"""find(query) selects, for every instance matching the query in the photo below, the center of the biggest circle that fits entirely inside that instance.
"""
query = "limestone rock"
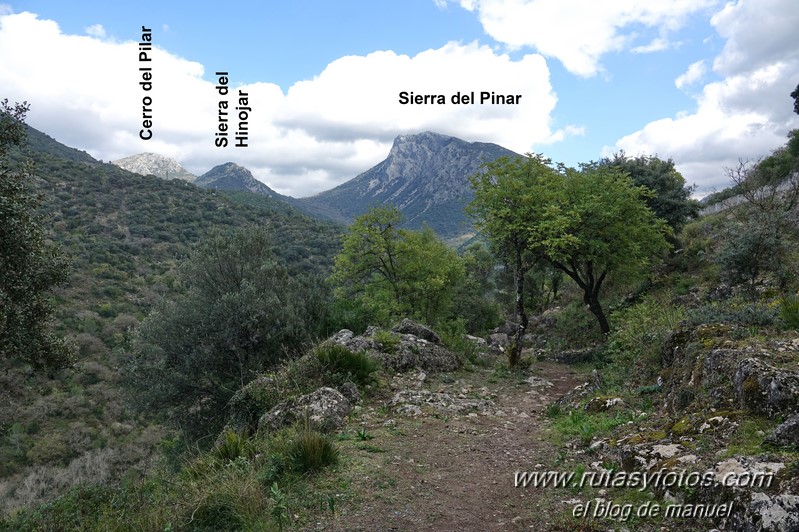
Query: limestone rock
(766, 389)
(786, 434)
(407, 326)
(325, 408)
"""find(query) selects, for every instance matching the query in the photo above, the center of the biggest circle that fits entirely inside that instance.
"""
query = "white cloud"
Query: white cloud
(744, 115)
(96, 30)
(657, 45)
(692, 75)
(85, 92)
(579, 32)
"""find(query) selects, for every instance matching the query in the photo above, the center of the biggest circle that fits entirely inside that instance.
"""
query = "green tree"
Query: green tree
(795, 96)
(671, 197)
(391, 272)
(760, 239)
(240, 313)
(475, 299)
(30, 266)
(511, 195)
(597, 226)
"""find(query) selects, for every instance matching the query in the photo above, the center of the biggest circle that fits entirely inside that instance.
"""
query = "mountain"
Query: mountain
(154, 164)
(425, 176)
(230, 176)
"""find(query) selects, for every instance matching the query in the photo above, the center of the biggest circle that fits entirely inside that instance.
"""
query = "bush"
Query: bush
(634, 346)
(311, 451)
(233, 446)
(242, 313)
(297, 450)
(748, 314)
(340, 364)
(789, 311)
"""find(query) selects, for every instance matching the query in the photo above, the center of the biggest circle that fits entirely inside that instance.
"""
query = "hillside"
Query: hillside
(125, 234)
(683, 416)
(425, 176)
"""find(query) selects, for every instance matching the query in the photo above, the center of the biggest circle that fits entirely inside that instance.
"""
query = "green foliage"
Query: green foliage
(311, 451)
(241, 313)
(233, 446)
(387, 339)
(751, 247)
(744, 313)
(453, 335)
(789, 311)
(633, 348)
(671, 197)
(588, 224)
(474, 300)
(599, 226)
(30, 266)
(341, 364)
(393, 273)
(510, 199)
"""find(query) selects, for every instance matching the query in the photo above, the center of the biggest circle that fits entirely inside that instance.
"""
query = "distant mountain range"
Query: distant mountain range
(425, 176)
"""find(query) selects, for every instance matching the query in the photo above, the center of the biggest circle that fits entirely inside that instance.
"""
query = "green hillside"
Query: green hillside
(124, 235)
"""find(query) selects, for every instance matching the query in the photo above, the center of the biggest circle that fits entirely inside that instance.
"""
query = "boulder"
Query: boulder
(604, 404)
(350, 391)
(786, 434)
(408, 351)
(407, 326)
(326, 410)
(249, 403)
(765, 389)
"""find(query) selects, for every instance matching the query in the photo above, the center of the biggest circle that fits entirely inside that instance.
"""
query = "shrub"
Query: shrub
(233, 446)
(789, 311)
(341, 364)
(634, 346)
(311, 451)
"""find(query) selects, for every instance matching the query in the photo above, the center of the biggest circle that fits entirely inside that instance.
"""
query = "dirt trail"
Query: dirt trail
(443, 471)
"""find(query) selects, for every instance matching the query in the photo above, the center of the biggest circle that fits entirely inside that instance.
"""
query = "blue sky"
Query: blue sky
(704, 82)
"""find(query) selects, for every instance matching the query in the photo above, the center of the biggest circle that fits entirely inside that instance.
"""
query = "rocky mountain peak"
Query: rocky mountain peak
(231, 176)
(155, 164)
(425, 175)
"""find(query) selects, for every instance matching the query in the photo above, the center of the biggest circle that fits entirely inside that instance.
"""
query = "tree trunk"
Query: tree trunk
(592, 300)
(521, 317)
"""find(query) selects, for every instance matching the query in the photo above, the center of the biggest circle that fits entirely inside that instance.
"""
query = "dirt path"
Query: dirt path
(455, 471)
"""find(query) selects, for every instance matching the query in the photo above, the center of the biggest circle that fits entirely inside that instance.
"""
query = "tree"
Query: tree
(240, 313)
(795, 96)
(598, 225)
(510, 196)
(391, 272)
(671, 197)
(30, 266)
(758, 241)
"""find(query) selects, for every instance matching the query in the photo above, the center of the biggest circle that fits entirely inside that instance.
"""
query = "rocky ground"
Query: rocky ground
(445, 446)
(444, 452)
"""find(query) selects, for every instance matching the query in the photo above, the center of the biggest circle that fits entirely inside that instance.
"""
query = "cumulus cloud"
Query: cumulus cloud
(692, 75)
(748, 112)
(85, 91)
(96, 30)
(579, 32)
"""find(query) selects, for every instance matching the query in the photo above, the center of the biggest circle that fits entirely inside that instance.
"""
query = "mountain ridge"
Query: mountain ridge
(158, 165)
(425, 175)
